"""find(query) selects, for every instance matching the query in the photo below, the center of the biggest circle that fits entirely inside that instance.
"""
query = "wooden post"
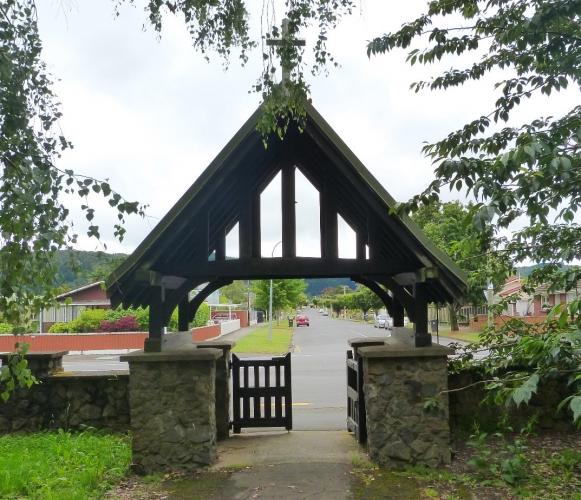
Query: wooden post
(373, 235)
(397, 313)
(153, 343)
(245, 228)
(422, 337)
(255, 236)
(329, 243)
(249, 226)
(184, 314)
(360, 247)
(289, 230)
(204, 240)
(221, 246)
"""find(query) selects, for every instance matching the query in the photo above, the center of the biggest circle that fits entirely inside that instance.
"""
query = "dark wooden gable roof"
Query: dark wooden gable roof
(177, 250)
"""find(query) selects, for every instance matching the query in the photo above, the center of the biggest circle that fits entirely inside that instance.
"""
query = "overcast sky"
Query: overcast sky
(150, 114)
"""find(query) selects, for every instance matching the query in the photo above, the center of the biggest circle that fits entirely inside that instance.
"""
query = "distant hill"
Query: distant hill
(76, 267)
(316, 286)
(525, 271)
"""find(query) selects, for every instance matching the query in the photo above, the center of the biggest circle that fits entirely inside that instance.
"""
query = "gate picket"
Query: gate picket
(356, 418)
(261, 392)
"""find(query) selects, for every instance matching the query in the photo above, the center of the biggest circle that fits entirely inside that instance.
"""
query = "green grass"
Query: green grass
(464, 335)
(259, 343)
(60, 465)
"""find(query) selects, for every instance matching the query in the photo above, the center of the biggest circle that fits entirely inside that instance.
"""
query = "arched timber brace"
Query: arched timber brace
(403, 298)
(377, 290)
(189, 245)
(203, 294)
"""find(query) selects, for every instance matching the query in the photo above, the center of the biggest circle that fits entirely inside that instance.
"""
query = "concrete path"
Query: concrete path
(281, 465)
(282, 447)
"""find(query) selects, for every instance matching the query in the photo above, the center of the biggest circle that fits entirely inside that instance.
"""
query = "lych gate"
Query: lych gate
(188, 247)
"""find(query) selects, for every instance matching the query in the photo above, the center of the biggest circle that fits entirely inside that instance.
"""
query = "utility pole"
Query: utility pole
(270, 297)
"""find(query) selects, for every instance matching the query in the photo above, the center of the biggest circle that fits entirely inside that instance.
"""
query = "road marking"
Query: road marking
(293, 404)
(359, 333)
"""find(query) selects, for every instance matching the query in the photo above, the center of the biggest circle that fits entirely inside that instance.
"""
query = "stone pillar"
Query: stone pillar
(358, 342)
(398, 380)
(222, 385)
(173, 413)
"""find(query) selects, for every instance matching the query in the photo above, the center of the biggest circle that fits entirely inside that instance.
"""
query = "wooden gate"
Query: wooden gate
(261, 393)
(356, 421)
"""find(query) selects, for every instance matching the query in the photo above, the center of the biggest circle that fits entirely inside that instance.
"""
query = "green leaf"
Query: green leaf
(524, 393)
(575, 405)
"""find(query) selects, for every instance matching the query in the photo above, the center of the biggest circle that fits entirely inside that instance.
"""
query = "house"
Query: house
(537, 304)
(73, 303)
(521, 306)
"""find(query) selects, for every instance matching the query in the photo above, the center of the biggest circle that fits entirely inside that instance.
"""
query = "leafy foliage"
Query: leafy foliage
(33, 220)
(202, 315)
(507, 461)
(521, 356)
(363, 299)
(16, 374)
(285, 294)
(531, 170)
(88, 321)
(235, 293)
(122, 320)
(449, 226)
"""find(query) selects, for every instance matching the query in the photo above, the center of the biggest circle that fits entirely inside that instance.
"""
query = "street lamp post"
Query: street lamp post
(270, 297)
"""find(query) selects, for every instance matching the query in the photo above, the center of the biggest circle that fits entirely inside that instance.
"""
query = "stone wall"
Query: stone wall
(466, 407)
(72, 401)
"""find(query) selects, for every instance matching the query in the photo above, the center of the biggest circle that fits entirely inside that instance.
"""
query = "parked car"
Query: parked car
(302, 320)
(383, 321)
(325, 313)
(321, 310)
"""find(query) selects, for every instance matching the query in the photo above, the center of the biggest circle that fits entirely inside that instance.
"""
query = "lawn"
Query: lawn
(60, 465)
(464, 335)
(258, 342)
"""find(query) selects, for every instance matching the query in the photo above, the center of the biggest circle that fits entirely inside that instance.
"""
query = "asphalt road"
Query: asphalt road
(319, 373)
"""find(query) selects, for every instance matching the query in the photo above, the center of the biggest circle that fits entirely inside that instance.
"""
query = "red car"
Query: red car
(302, 320)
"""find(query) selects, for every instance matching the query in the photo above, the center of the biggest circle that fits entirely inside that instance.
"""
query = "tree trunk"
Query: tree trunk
(453, 318)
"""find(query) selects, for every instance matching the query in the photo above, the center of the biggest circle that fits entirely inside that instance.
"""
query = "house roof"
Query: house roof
(210, 205)
(80, 289)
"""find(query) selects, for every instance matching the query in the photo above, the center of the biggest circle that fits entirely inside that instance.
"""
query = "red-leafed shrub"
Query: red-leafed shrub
(124, 324)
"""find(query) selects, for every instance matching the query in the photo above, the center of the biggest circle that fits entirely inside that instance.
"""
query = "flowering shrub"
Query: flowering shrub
(124, 324)
(140, 314)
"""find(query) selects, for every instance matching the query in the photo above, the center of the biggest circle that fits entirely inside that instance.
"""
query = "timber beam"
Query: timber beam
(296, 267)
(400, 293)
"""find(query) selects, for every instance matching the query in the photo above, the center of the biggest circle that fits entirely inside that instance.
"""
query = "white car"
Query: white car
(383, 321)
